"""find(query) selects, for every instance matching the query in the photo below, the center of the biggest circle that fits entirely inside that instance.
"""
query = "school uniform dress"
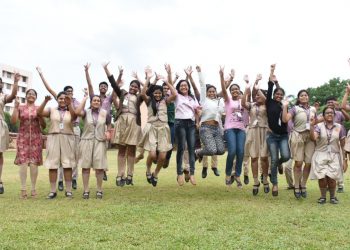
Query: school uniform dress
(60, 148)
(327, 159)
(156, 135)
(29, 138)
(4, 130)
(256, 144)
(93, 144)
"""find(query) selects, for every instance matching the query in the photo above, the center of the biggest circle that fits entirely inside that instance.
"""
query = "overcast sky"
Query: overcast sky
(309, 40)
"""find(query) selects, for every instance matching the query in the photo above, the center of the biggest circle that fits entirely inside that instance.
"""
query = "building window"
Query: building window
(8, 86)
(8, 74)
(23, 100)
(7, 108)
(23, 89)
(3, 73)
(24, 78)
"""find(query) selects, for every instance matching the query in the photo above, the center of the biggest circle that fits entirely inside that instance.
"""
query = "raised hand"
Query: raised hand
(17, 77)
(87, 66)
(68, 100)
(188, 71)
(121, 70)
(177, 75)
(273, 66)
(17, 102)
(39, 70)
(232, 74)
(285, 102)
(221, 71)
(258, 77)
(246, 78)
(86, 92)
(167, 68)
(134, 75)
(105, 65)
(148, 72)
(198, 68)
(47, 98)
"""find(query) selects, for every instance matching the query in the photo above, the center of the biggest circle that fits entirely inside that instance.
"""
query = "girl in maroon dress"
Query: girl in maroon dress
(29, 141)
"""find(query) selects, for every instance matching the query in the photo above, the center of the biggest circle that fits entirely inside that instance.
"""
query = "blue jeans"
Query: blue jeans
(235, 139)
(172, 134)
(278, 145)
(185, 133)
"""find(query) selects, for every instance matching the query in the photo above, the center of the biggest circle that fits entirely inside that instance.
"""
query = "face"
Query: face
(184, 88)
(165, 90)
(278, 96)
(211, 93)
(235, 91)
(331, 104)
(260, 98)
(103, 88)
(303, 98)
(133, 89)
(157, 95)
(329, 115)
(96, 102)
(31, 96)
(61, 101)
(69, 92)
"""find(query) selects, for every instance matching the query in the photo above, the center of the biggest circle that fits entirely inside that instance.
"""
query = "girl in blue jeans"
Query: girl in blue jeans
(234, 130)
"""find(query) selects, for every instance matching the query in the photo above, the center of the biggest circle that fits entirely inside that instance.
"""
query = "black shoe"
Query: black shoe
(60, 186)
(69, 195)
(99, 195)
(105, 176)
(280, 169)
(216, 171)
(266, 188)
(256, 189)
(232, 179)
(52, 195)
(321, 201)
(74, 184)
(149, 178)
(120, 182)
(274, 192)
(154, 180)
(290, 187)
(129, 181)
(303, 192)
(86, 195)
(261, 178)
(2, 190)
(340, 190)
(334, 200)
(187, 175)
(204, 173)
(246, 179)
(297, 194)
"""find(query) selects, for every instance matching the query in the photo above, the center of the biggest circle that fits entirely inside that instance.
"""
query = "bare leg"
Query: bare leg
(53, 179)
(67, 172)
(86, 177)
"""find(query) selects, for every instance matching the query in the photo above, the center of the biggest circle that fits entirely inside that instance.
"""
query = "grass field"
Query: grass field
(206, 216)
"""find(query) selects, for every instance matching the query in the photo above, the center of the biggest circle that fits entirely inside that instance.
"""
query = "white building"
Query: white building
(7, 73)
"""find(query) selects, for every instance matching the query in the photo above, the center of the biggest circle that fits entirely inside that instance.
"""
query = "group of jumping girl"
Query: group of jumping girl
(254, 124)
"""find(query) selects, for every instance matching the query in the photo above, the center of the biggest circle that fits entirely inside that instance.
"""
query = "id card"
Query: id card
(61, 125)
(125, 102)
(308, 126)
(255, 122)
(239, 114)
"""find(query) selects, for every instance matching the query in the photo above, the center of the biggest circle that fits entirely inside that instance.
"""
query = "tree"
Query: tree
(12, 127)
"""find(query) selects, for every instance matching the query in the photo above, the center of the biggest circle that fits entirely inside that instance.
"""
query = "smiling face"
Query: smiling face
(133, 88)
(278, 95)
(184, 88)
(31, 96)
(157, 95)
(303, 97)
(328, 115)
(260, 98)
(61, 101)
(69, 92)
(165, 89)
(96, 102)
(235, 91)
(103, 88)
(211, 93)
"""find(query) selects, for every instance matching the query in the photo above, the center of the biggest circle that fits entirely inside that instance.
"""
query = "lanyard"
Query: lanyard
(307, 111)
(329, 133)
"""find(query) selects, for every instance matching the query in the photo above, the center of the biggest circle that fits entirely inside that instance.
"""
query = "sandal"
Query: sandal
(33, 193)
(321, 201)
(149, 177)
(52, 195)
(154, 180)
(86, 195)
(239, 183)
(120, 182)
(180, 180)
(99, 195)
(24, 195)
(266, 188)
(128, 180)
(297, 194)
(303, 192)
(69, 195)
(256, 189)
(334, 200)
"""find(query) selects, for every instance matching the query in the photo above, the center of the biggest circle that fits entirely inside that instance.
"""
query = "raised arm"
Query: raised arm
(88, 80)
(10, 97)
(69, 103)
(245, 103)
(202, 85)
(256, 86)
(143, 94)
(40, 111)
(188, 72)
(47, 86)
(286, 116)
(134, 75)
(344, 103)
(79, 111)
(112, 81)
(228, 81)
(222, 81)
(15, 113)
(313, 135)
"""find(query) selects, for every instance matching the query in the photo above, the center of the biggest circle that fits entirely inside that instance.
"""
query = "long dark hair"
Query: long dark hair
(189, 88)
(153, 102)
(299, 93)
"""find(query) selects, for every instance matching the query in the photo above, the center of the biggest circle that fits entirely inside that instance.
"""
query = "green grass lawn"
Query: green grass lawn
(206, 216)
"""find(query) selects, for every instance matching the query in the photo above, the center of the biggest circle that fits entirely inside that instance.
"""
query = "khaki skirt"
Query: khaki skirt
(4, 136)
(156, 137)
(256, 145)
(93, 154)
(326, 164)
(347, 142)
(127, 132)
(60, 151)
(301, 146)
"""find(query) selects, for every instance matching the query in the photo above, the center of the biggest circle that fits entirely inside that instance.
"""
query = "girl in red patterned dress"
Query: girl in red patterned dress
(29, 141)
